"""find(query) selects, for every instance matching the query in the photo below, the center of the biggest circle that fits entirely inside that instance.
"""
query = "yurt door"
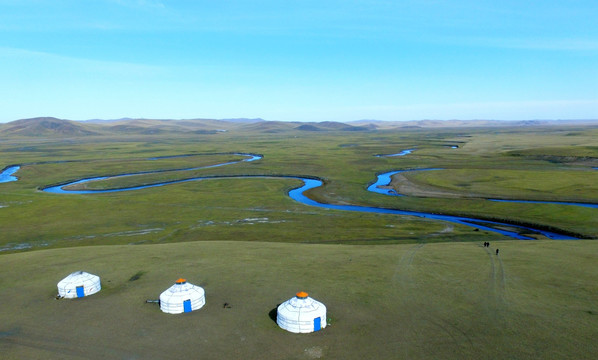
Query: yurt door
(187, 306)
(317, 324)
(80, 291)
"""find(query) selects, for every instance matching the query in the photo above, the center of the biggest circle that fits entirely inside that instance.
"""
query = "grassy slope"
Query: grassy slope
(536, 300)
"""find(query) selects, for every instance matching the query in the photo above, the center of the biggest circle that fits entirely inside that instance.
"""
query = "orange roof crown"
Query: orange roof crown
(181, 281)
(302, 295)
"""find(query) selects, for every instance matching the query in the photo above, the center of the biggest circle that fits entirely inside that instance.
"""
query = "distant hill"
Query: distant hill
(53, 127)
(244, 120)
(308, 127)
(157, 126)
(333, 126)
(269, 126)
(126, 119)
(46, 126)
(430, 123)
(103, 121)
(134, 124)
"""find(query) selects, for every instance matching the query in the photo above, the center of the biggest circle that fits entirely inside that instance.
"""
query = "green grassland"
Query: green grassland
(536, 300)
(218, 209)
(395, 286)
(545, 185)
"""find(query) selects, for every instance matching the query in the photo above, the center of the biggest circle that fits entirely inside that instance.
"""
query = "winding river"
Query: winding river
(298, 194)
(7, 174)
(402, 153)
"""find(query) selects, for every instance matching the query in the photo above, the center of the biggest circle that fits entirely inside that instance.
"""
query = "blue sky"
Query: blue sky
(299, 60)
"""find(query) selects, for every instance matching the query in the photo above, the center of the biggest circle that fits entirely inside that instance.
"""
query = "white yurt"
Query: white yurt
(301, 314)
(182, 297)
(79, 284)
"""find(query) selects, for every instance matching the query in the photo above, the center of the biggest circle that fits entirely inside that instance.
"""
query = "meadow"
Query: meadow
(395, 286)
(536, 300)
(344, 160)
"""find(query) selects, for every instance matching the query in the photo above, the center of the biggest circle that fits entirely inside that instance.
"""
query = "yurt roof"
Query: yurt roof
(78, 277)
(301, 302)
(181, 288)
(302, 295)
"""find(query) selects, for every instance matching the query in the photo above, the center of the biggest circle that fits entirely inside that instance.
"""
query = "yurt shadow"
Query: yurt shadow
(274, 313)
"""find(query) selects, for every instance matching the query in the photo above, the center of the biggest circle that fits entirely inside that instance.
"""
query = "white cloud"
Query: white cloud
(53, 61)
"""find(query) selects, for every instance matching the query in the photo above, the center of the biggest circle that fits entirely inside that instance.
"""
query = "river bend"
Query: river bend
(298, 194)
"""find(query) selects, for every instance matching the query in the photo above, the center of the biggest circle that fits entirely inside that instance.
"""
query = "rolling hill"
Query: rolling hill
(47, 126)
(54, 127)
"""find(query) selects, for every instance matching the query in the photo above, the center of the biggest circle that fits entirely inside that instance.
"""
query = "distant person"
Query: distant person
(496, 251)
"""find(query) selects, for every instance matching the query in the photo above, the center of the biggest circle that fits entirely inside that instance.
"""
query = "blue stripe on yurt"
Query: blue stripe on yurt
(187, 306)
(80, 291)
(317, 324)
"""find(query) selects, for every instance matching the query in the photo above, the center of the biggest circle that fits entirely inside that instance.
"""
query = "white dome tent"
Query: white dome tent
(301, 314)
(182, 297)
(79, 284)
